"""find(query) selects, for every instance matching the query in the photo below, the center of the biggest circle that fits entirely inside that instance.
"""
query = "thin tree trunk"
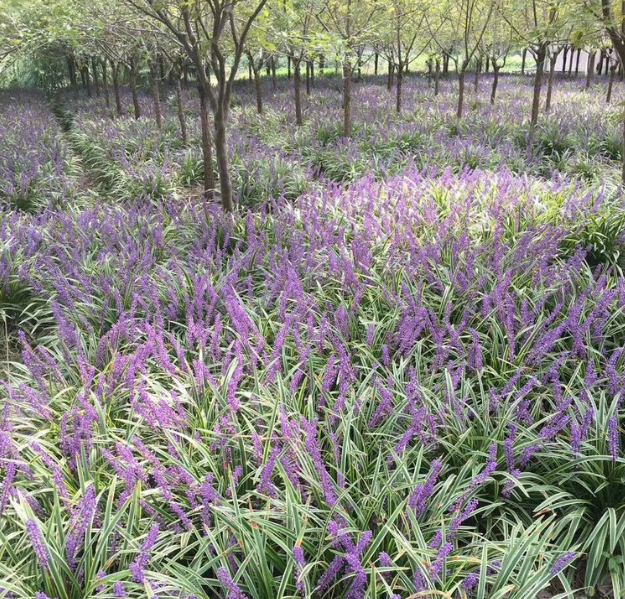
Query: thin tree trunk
(250, 74)
(312, 73)
(185, 76)
(307, 78)
(347, 99)
(571, 58)
(493, 91)
(155, 93)
(288, 67)
(437, 76)
(608, 97)
(221, 145)
(590, 67)
(446, 64)
(538, 82)
(86, 81)
(258, 87)
(552, 68)
(118, 101)
(389, 80)
(297, 80)
(460, 93)
(579, 55)
(523, 57)
(105, 84)
(207, 144)
(96, 82)
(565, 53)
(478, 68)
(375, 64)
(400, 79)
(273, 72)
(181, 118)
(133, 89)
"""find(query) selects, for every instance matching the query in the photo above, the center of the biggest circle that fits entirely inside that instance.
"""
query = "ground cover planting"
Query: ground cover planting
(318, 299)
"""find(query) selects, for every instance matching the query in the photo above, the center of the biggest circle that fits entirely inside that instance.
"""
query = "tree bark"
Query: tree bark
(297, 81)
(307, 78)
(389, 79)
(437, 76)
(257, 83)
(105, 85)
(85, 80)
(460, 93)
(221, 145)
(541, 54)
(565, 53)
(118, 101)
(478, 68)
(207, 144)
(579, 54)
(493, 91)
(273, 72)
(96, 82)
(347, 99)
(608, 97)
(571, 58)
(375, 64)
(288, 67)
(400, 79)
(133, 88)
(523, 57)
(552, 68)
(181, 118)
(156, 99)
(590, 67)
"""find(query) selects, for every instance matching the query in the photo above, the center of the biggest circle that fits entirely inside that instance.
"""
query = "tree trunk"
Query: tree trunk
(538, 82)
(523, 57)
(96, 82)
(181, 118)
(71, 70)
(487, 67)
(389, 80)
(85, 78)
(133, 89)
(307, 78)
(250, 73)
(460, 94)
(608, 97)
(207, 144)
(437, 76)
(571, 58)
(288, 67)
(297, 80)
(161, 66)
(312, 73)
(375, 64)
(590, 67)
(156, 99)
(105, 85)
(273, 72)
(493, 91)
(565, 53)
(446, 64)
(579, 54)
(347, 99)
(478, 68)
(552, 68)
(221, 145)
(257, 83)
(118, 101)
(400, 78)
(185, 77)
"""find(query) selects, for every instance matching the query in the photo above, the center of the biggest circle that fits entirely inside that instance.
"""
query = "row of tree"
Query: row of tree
(102, 41)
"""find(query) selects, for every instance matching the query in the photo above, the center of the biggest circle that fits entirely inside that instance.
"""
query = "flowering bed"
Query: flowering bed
(410, 387)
